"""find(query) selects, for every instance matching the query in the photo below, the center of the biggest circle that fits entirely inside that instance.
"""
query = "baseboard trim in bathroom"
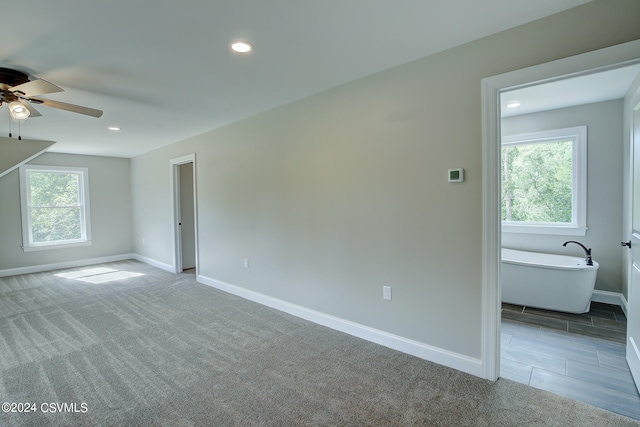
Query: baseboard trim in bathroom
(613, 298)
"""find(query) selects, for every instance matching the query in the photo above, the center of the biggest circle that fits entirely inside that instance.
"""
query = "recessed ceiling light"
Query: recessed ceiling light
(514, 104)
(115, 128)
(241, 47)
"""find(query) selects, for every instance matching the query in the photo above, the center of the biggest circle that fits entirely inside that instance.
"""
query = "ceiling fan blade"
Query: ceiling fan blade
(33, 112)
(68, 107)
(37, 87)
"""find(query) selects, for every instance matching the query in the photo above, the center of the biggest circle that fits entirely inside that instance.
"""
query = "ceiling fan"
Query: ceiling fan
(19, 93)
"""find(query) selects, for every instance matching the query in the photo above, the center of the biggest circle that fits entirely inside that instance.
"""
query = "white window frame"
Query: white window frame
(578, 225)
(85, 218)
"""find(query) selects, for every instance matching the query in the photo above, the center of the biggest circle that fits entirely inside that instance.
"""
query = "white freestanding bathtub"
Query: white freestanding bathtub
(553, 282)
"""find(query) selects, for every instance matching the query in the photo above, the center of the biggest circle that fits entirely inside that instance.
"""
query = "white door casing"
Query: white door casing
(175, 200)
(187, 232)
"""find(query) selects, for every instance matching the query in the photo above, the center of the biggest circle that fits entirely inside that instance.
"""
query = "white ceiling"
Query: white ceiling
(162, 69)
(586, 89)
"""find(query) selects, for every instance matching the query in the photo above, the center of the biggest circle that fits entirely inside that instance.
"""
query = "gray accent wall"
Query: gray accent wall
(110, 193)
(338, 194)
(604, 186)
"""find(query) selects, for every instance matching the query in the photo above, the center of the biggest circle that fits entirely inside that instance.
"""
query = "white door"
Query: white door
(633, 309)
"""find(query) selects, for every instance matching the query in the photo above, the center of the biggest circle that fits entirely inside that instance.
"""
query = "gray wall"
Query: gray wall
(604, 186)
(110, 193)
(336, 195)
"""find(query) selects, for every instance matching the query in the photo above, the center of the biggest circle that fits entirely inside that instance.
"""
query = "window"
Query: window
(544, 182)
(55, 207)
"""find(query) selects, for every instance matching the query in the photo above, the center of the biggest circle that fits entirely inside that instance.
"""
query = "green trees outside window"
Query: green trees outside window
(537, 182)
(55, 206)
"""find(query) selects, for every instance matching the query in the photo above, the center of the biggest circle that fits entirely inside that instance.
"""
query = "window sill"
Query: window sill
(57, 245)
(557, 230)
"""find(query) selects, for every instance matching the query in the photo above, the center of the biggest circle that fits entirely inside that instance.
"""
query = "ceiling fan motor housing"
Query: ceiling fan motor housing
(8, 79)
(12, 78)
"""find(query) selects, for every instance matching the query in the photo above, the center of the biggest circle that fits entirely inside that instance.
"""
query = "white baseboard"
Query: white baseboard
(154, 263)
(61, 265)
(614, 298)
(437, 355)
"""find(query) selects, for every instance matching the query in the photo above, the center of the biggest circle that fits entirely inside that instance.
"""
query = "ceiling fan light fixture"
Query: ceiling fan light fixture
(18, 111)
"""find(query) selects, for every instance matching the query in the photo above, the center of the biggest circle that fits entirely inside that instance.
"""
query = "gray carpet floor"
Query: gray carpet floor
(160, 349)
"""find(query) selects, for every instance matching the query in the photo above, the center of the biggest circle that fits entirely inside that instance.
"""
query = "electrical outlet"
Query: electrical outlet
(386, 292)
(246, 263)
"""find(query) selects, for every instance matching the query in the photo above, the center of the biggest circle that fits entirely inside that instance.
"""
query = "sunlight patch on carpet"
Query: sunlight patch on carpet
(98, 275)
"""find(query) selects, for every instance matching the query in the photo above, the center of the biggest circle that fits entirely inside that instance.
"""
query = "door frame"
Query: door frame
(175, 201)
(587, 63)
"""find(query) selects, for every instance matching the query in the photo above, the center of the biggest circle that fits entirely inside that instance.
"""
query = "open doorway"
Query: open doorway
(183, 176)
(562, 163)
(493, 88)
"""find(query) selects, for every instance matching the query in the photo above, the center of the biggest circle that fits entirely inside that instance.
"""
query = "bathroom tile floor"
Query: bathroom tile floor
(580, 356)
